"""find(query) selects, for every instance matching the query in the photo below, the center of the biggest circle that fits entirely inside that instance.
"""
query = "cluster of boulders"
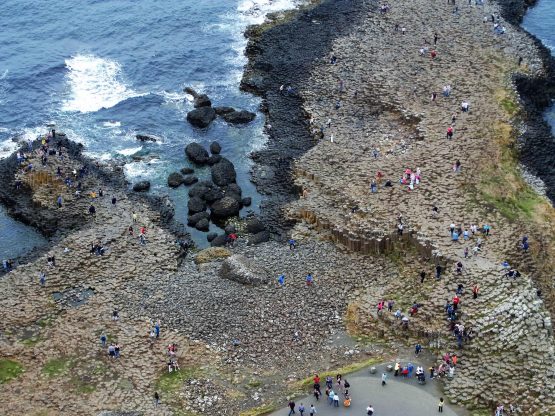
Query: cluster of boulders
(214, 199)
(204, 113)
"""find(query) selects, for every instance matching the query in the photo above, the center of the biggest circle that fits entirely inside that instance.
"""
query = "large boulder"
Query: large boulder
(244, 270)
(254, 225)
(225, 207)
(142, 186)
(207, 191)
(193, 219)
(223, 172)
(215, 148)
(219, 241)
(239, 117)
(211, 253)
(223, 110)
(213, 195)
(201, 117)
(247, 201)
(196, 205)
(202, 100)
(189, 180)
(258, 238)
(203, 225)
(175, 179)
(213, 159)
(196, 153)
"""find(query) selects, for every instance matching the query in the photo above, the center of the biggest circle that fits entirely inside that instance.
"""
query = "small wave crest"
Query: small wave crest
(94, 83)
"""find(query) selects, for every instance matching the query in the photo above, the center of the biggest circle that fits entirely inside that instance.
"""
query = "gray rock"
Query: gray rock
(254, 225)
(189, 180)
(202, 225)
(211, 236)
(202, 100)
(258, 238)
(193, 219)
(233, 188)
(196, 205)
(175, 179)
(190, 91)
(247, 201)
(243, 270)
(215, 148)
(142, 186)
(225, 207)
(219, 241)
(201, 117)
(239, 117)
(223, 110)
(196, 153)
(223, 173)
(212, 160)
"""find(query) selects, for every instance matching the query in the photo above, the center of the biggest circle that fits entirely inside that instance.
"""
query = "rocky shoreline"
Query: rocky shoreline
(536, 144)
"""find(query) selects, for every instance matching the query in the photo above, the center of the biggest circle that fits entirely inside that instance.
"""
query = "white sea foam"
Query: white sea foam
(7, 147)
(94, 83)
(130, 151)
(142, 170)
(112, 124)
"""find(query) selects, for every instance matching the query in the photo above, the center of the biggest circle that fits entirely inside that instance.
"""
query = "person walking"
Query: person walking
(369, 410)
(291, 407)
(312, 410)
(384, 378)
(103, 340)
(301, 409)
(440, 405)
(156, 399)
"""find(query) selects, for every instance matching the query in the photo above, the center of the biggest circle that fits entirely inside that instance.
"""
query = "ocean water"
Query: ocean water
(540, 21)
(105, 70)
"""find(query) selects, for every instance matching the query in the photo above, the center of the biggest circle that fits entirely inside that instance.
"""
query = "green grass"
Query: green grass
(85, 388)
(9, 370)
(31, 342)
(56, 367)
(260, 410)
(254, 383)
(171, 382)
(509, 106)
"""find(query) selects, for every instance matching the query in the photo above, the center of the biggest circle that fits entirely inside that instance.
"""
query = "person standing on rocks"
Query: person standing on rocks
(439, 269)
(134, 216)
(114, 200)
(103, 340)
(292, 244)
(422, 276)
(309, 279)
(59, 201)
(475, 291)
(281, 280)
(156, 399)
(157, 329)
(42, 278)
(92, 210)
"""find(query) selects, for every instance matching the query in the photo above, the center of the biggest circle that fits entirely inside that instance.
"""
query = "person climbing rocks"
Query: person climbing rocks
(439, 269)
(450, 132)
(422, 276)
(92, 210)
(400, 227)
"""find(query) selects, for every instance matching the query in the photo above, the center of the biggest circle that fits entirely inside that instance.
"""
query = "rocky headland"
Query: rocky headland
(356, 74)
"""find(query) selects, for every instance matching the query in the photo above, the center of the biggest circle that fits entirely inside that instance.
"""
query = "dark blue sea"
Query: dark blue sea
(105, 70)
(540, 21)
